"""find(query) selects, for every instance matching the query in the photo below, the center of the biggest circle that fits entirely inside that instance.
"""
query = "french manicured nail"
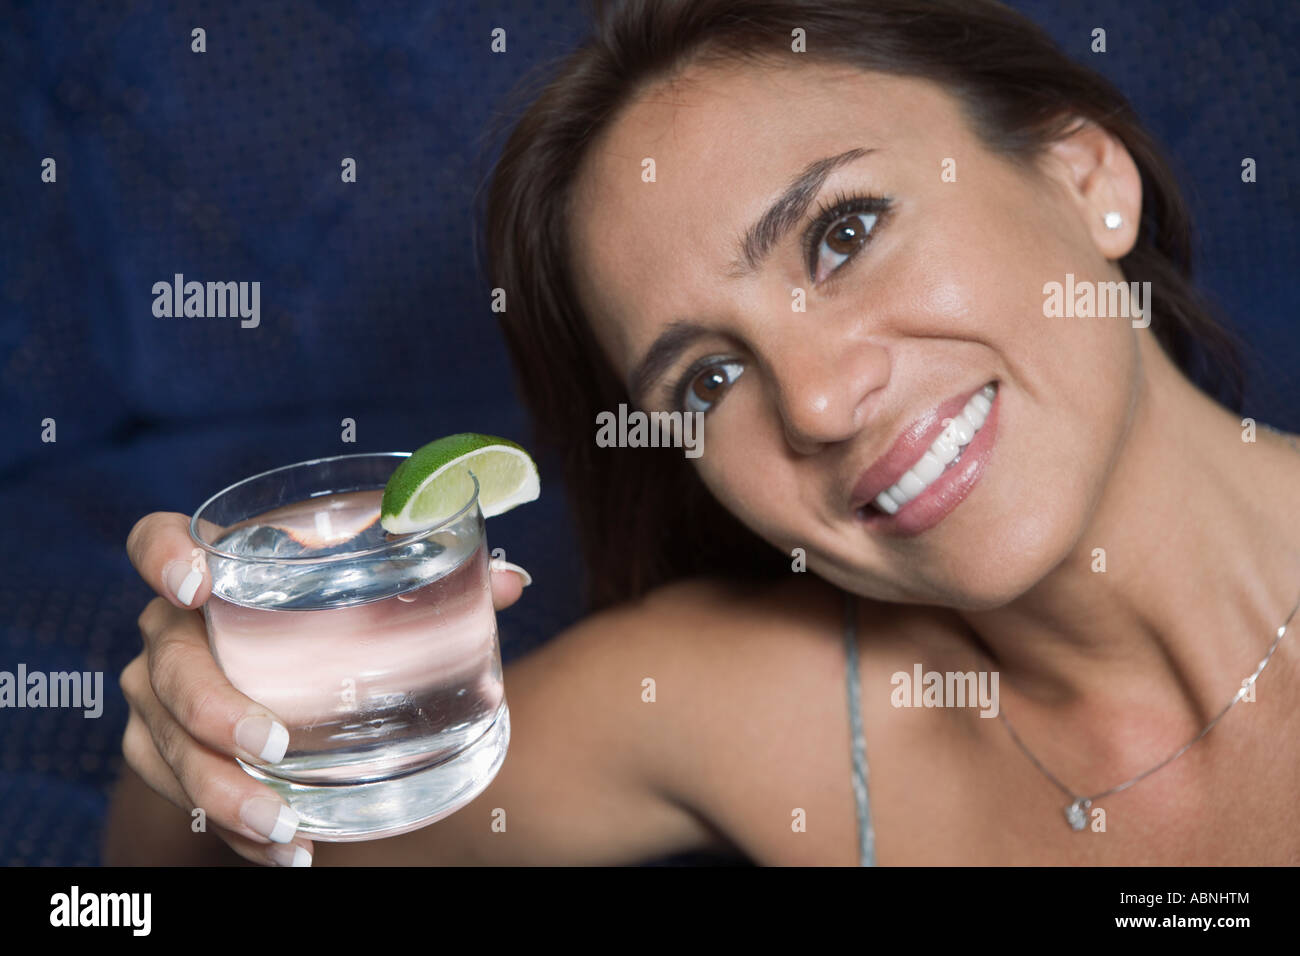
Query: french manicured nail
(275, 820)
(289, 855)
(267, 738)
(182, 580)
(501, 564)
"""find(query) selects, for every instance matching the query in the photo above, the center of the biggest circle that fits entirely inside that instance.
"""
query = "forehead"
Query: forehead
(725, 141)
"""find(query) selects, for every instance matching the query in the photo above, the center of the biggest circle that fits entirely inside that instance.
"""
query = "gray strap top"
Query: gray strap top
(866, 835)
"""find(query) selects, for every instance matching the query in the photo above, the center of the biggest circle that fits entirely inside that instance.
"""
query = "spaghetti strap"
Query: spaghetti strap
(866, 835)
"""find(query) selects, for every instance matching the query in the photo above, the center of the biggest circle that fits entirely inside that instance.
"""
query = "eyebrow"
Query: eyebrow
(789, 208)
(753, 247)
(672, 341)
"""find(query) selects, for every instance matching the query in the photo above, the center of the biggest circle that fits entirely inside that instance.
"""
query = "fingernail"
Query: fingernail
(291, 855)
(501, 564)
(267, 738)
(182, 580)
(275, 820)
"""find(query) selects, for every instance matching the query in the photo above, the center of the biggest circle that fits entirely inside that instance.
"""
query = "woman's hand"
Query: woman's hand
(187, 721)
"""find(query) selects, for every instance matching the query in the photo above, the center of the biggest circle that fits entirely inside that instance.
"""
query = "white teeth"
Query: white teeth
(962, 429)
(945, 450)
(910, 484)
(928, 468)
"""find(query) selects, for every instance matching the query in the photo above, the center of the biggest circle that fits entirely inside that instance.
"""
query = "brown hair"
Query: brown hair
(643, 517)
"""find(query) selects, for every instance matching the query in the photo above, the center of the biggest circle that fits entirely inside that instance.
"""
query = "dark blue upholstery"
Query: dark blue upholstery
(225, 166)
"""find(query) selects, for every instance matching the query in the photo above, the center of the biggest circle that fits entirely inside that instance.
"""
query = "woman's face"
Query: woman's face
(912, 302)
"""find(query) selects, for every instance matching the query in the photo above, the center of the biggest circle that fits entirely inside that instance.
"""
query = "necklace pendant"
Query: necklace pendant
(1076, 814)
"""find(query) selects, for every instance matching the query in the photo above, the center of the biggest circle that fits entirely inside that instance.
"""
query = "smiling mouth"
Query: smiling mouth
(943, 455)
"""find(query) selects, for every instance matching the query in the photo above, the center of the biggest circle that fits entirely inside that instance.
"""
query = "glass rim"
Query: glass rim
(396, 543)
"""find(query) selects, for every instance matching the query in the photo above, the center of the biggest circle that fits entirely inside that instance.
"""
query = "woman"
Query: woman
(938, 439)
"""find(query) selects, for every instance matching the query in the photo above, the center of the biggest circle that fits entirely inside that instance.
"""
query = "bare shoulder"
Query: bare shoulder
(709, 643)
(742, 715)
(752, 627)
(689, 647)
(705, 616)
(719, 650)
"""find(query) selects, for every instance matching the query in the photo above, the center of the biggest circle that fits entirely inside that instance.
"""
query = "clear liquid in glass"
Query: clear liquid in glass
(384, 667)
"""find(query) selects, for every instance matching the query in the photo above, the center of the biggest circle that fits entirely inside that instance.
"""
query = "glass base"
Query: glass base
(371, 811)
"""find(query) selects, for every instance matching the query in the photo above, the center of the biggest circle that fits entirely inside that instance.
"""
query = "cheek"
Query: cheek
(1069, 383)
(1081, 371)
(745, 467)
(981, 278)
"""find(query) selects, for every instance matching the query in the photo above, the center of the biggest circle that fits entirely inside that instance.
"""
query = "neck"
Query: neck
(1201, 534)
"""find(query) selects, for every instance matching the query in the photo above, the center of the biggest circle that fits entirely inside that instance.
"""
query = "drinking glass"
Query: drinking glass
(379, 652)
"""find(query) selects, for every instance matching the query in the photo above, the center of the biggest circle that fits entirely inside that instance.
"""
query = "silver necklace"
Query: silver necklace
(1076, 813)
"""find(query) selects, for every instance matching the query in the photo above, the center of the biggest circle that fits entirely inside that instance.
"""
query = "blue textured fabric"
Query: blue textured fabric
(225, 167)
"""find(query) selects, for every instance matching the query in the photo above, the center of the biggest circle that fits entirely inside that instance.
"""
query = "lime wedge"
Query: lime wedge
(434, 483)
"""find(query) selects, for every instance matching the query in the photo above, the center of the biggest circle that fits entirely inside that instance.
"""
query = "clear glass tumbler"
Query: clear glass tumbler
(379, 652)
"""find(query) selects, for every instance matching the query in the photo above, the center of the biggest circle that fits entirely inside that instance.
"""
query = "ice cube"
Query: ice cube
(261, 540)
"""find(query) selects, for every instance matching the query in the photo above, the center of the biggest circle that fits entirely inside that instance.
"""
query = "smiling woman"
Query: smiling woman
(1009, 94)
(840, 259)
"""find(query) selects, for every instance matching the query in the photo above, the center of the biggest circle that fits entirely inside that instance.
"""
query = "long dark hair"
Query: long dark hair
(643, 516)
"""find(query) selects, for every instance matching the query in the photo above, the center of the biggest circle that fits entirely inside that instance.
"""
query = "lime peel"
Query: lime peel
(434, 483)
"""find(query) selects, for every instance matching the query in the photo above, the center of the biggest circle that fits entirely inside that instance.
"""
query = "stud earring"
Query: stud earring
(1113, 220)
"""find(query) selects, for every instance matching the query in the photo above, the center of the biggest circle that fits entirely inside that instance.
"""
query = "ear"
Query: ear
(1101, 178)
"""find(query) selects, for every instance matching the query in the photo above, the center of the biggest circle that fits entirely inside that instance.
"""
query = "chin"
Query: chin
(1006, 566)
(980, 571)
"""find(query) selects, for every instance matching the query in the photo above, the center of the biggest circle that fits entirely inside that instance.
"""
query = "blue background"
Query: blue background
(225, 166)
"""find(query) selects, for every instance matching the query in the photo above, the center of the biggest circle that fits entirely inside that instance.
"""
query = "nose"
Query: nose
(822, 388)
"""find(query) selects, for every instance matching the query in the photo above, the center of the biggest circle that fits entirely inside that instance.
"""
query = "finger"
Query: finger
(228, 796)
(164, 554)
(143, 757)
(299, 852)
(508, 582)
(191, 687)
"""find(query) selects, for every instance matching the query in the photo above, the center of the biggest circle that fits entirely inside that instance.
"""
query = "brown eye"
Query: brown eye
(709, 384)
(848, 234)
(844, 239)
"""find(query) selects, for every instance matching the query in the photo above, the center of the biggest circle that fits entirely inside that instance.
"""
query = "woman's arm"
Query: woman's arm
(589, 775)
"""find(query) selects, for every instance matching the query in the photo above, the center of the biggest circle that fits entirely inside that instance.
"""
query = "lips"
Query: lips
(907, 449)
